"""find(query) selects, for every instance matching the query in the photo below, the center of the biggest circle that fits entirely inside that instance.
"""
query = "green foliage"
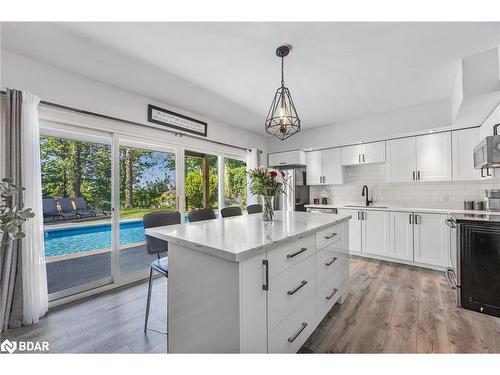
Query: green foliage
(194, 190)
(235, 182)
(12, 218)
(266, 181)
(75, 168)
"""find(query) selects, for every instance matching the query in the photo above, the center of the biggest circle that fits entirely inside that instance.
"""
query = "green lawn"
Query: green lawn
(137, 213)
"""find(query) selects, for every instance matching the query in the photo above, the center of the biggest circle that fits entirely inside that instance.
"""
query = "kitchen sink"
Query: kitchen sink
(363, 206)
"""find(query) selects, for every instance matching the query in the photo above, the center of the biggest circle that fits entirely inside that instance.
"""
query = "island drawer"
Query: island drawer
(290, 254)
(329, 236)
(292, 332)
(289, 289)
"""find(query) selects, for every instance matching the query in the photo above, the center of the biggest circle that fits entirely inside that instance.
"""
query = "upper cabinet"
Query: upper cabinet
(288, 158)
(434, 157)
(422, 158)
(364, 153)
(401, 160)
(462, 145)
(324, 167)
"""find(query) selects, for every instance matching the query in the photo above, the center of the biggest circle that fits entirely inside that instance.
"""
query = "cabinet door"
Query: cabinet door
(462, 145)
(375, 233)
(431, 239)
(434, 157)
(351, 155)
(373, 152)
(286, 158)
(354, 230)
(401, 235)
(400, 163)
(332, 167)
(314, 167)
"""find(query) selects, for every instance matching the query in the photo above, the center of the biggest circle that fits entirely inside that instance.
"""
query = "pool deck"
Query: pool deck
(74, 271)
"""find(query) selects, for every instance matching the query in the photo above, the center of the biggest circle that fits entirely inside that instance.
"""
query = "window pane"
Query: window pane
(76, 187)
(147, 184)
(201, 181)
(235, 183)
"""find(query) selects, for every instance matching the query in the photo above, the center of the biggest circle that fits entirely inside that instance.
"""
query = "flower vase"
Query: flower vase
(267, 208)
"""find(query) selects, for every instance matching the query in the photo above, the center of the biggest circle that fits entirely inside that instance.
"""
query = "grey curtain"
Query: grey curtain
(11, 288)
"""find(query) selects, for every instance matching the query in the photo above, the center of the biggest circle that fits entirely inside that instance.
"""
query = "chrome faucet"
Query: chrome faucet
(365, 194)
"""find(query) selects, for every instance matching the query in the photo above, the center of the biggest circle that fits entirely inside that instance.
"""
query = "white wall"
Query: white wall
(388, 124)
(63, 87)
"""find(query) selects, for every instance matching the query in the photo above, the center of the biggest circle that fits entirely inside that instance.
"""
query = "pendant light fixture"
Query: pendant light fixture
(282, 120)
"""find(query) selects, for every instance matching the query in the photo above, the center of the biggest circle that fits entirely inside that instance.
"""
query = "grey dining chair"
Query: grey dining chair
(254, 208)
(155, 246)
(201, 214)
(231, 211)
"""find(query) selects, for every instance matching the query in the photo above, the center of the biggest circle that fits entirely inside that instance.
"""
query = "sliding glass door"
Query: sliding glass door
(147, 183)
(76, 188)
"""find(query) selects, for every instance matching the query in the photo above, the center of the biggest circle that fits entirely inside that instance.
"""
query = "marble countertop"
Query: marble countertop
(384, 207)
(241, 237)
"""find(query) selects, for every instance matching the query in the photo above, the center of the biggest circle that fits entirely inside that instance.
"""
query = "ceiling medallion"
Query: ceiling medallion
(282, 119)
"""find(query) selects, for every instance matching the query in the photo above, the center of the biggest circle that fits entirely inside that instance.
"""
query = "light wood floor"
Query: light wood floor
(395, 308)
(112, 322)
(391, 308)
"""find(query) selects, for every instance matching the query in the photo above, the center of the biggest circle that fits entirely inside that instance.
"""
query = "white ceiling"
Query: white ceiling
(229, 72)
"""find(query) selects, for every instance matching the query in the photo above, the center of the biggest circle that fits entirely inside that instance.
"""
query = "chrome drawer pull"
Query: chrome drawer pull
(292, 339)
(330, 236)
(331, 262)
(333, 293)
(296, 253)
(291, 292)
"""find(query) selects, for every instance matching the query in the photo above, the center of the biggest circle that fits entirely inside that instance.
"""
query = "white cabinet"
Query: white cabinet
(332, 167)
(354, 230)
(314, 167)
(434, 157)
(423, 158)
(401, 160)
(296, 157)
(324, 167)
(431, 239)
(375, 232)
(462, 146)
(364, 153)
(401, 235)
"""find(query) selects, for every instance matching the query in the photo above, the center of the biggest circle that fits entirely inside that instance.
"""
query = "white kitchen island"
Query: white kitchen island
(239, 285)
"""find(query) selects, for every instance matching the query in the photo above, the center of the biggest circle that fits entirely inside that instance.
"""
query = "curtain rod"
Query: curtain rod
(84, 112)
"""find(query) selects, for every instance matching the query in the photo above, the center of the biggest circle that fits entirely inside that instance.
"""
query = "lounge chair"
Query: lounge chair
(67, 207)
(50, 210)
(82, 208)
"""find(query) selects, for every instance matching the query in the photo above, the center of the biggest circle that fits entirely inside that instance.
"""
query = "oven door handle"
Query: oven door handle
(451, 277)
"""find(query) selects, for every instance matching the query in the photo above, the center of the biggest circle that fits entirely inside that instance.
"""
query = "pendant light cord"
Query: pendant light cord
(282, 76)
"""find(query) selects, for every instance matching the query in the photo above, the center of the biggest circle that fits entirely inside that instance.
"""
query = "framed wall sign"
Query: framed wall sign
(177, 121)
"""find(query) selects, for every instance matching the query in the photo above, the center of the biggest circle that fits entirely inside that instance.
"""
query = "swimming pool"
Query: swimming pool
(92, 237)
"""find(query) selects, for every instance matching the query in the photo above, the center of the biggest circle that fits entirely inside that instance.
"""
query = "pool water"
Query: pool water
(78, 240)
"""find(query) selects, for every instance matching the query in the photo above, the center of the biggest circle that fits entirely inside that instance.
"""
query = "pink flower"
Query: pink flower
(282, 174)
(273, 174)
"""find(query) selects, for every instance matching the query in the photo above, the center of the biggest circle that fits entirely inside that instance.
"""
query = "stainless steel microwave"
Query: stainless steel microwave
(487, 153)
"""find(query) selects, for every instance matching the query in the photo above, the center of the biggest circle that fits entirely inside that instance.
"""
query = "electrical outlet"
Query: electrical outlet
(446, 197)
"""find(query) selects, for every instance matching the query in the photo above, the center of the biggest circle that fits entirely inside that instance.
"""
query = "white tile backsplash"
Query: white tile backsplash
(407, 194)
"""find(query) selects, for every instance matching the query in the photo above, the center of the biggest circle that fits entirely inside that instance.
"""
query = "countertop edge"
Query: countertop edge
(405, 209)
(219, 253)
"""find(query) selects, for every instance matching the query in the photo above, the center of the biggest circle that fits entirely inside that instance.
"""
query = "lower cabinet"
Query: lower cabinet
(431, 242)
(422, 238)
(375, 232)
(401, 235)
(302, 292)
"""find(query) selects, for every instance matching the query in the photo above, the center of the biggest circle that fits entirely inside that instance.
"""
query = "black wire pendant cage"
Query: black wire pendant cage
(282, 119)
